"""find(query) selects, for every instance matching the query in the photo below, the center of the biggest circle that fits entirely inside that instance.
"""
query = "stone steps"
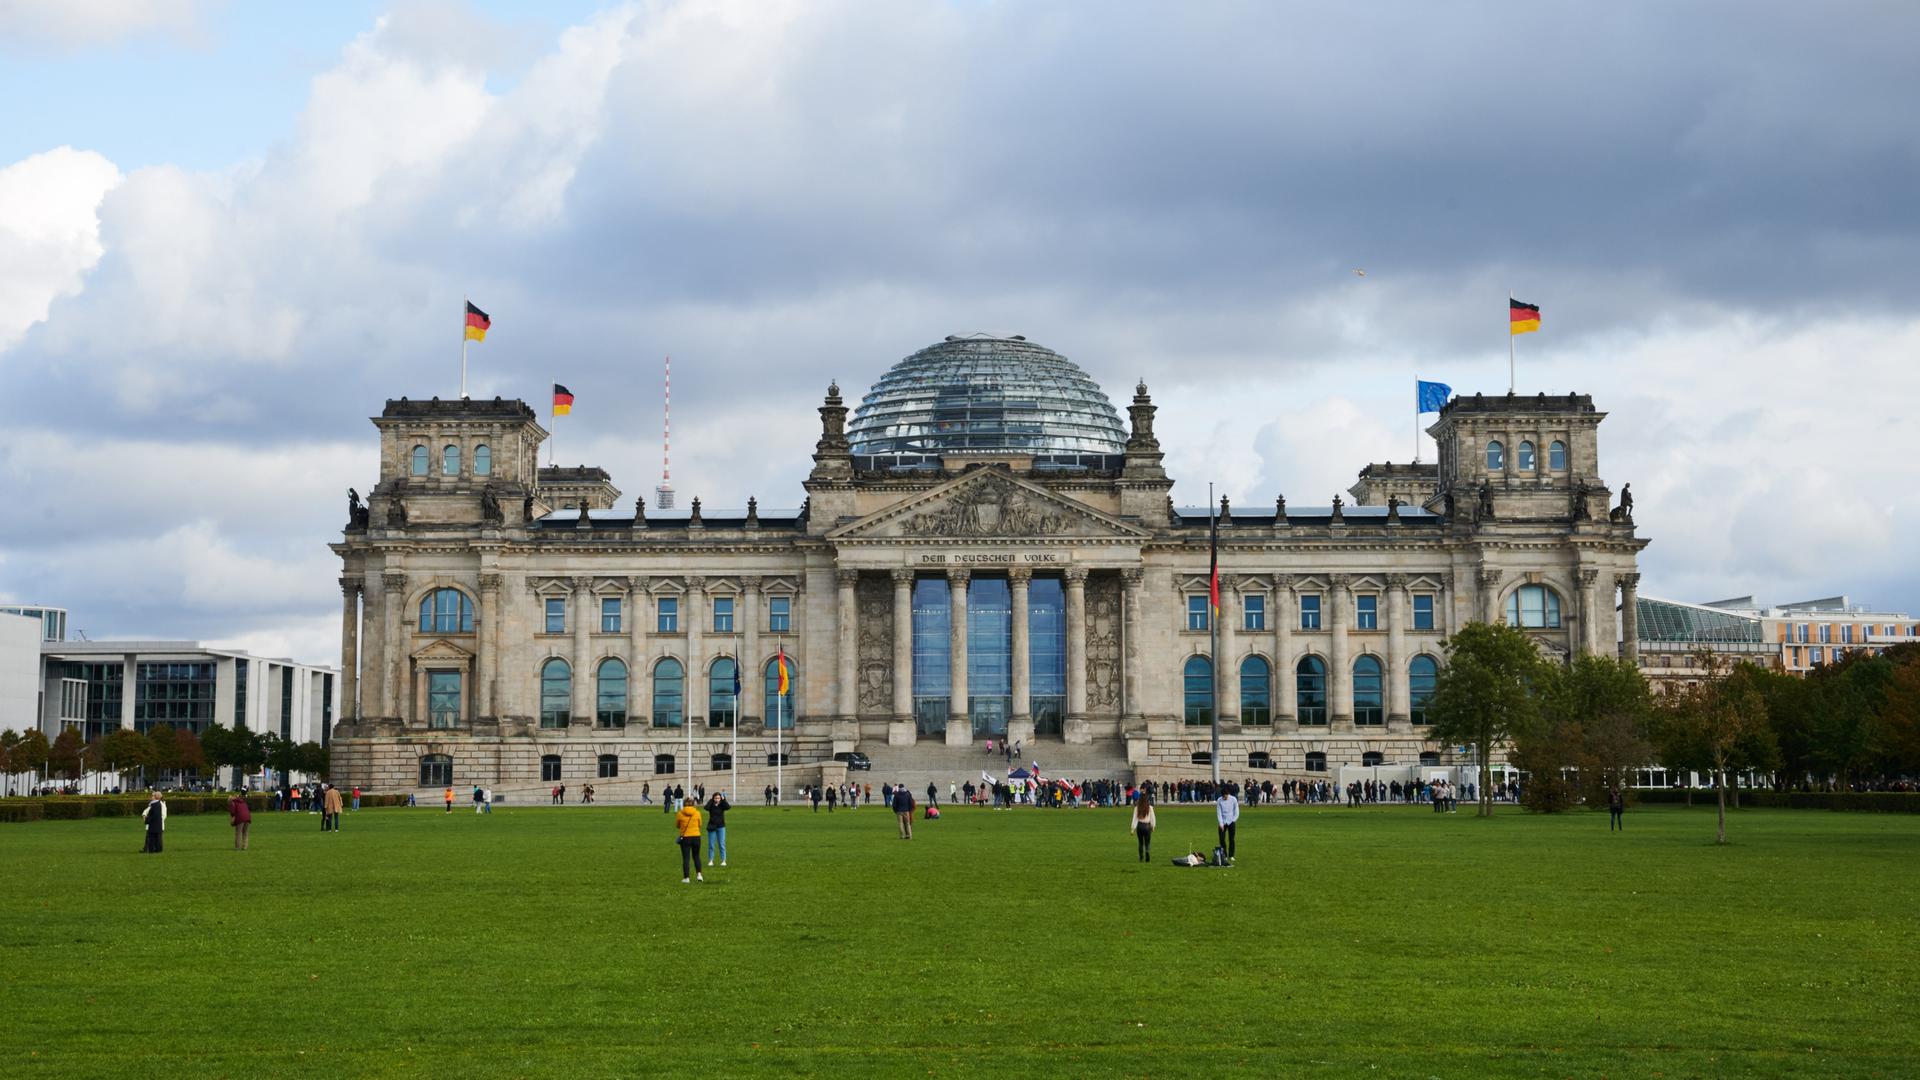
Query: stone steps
(931, 762)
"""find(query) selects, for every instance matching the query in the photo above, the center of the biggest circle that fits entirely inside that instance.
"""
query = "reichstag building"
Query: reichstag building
(985, 551)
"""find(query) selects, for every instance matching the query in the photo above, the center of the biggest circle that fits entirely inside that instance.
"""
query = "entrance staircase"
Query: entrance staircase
(939, 764)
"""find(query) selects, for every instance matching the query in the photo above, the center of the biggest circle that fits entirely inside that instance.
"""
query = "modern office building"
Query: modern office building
(985, 551)
(53, 620)
(1795, 637)
(97, 686)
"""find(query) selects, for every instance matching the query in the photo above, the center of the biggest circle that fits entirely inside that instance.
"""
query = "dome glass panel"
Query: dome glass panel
(981, 393)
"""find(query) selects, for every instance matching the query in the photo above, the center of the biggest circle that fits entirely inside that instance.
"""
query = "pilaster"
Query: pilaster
(1399, 715)
(1340, 677)
(959, 722)
(1020, 723)
(900, 727)
(349, 647)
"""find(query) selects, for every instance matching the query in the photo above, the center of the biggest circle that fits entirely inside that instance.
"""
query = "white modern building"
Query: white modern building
(97, 686)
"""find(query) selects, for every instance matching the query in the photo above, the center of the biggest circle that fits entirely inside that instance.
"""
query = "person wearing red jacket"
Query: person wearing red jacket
(241, 816)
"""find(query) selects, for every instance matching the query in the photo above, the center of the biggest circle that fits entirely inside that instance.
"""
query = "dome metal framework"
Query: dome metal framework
(982, 393)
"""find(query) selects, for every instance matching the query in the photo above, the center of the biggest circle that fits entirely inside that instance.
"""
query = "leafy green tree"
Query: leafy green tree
(63, 757)
(192, 755)
(1485, 694)
(314, 759)
(1721, 721)
(1898, 744)
(164, 757)
(282, 756)
(9, 739)
(1594, 719)
(124, 750)
(31, 752)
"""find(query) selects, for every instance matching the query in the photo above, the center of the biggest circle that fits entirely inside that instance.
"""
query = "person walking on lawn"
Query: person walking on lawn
(903, 808)
(686, 826)
(1143, 826)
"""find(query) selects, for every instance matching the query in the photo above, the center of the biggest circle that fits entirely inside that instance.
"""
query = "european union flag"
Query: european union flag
(736, 682)
(1432, 396)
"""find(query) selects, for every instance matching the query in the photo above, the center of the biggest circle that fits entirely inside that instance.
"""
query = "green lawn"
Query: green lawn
(1377, 942)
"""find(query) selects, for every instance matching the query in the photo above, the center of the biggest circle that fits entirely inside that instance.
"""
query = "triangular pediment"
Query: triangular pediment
(442, 651)
(987, 504)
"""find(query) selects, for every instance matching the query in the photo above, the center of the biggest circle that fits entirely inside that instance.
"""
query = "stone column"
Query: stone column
(959, 720)
(583, 614)
(847, 645)
(1399, 716)
(349, 647)
(393, 662)
(900, 729)
(1589, 638)
(1225, 665)
(1133, 594)
(639, 673)
(1629, 617)
(486, 669)
(746, 620)
(1340, 662)
(1490, 596)
(694, 620)
(1020, 723)
(1076, 644)
(1285, 614)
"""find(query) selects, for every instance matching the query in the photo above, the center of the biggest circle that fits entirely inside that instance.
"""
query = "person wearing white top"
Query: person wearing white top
(1226, 811)
(1142, 824)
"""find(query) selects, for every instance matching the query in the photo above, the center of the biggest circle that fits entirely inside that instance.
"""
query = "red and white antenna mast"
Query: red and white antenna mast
(663, 495)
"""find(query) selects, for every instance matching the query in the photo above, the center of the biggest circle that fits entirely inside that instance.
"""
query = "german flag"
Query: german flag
(1213, 569)
(783, 671)
(562, 400)
(1523, 318)
(477, 323)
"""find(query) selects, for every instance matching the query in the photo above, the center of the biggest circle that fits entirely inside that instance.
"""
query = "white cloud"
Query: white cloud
(49, 232)
(80, 23)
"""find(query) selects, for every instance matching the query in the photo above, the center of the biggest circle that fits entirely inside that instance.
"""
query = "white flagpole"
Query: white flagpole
(1416, 417)
(464, 342)
(1509, 341)
(1213, 629)
(733, 755)
(686, 721)
(779, 744)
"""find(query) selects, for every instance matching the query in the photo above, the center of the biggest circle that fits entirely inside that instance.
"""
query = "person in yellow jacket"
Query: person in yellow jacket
(686, 824)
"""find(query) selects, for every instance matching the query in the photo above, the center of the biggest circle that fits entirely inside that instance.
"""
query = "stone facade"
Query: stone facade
(619, 600)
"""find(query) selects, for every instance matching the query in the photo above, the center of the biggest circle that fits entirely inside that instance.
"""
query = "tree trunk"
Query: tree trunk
(1485, 793)
(1721, 788)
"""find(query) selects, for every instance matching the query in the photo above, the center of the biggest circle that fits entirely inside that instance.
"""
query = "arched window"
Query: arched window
(483, 460)
(1310, 690)
(663, 764)
(722, 701)
(549, 767)
(436, 770)
(446, 611)
(1373, 757)
(1366, 692)
(1429, 757)
(450, 460)
(609, 766)
(1496, 456)
(1556, 455)
(610, 702)
(669, 693)
(1534, 607)
(556, 693)
(780, 706)
(1199, 681)
(1256, 697)
(419, 461)
(1525, 461)
(1422, 674)
(1316, 761)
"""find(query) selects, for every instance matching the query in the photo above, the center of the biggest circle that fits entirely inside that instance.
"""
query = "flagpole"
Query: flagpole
(553, 437)
(464, 342)
(779, 737)
(1213, 629)
(1509, 341)
(733, 755)
(1416, 418)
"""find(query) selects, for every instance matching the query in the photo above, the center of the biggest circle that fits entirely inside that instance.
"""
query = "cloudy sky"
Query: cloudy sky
(228, 232)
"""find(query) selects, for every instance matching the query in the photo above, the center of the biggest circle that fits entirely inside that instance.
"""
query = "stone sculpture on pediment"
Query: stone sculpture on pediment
(991, 507)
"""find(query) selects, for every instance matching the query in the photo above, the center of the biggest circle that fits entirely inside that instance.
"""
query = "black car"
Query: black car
(854, 760)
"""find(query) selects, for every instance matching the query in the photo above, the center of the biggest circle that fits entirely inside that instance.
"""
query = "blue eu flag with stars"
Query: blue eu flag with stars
(1432, 396)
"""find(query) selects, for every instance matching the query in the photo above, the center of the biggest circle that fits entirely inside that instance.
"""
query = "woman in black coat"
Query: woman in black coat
(156, 819)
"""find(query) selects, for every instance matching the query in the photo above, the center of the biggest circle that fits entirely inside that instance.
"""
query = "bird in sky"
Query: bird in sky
(1359, 273)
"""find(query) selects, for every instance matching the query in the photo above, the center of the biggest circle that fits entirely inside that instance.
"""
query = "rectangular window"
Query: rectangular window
(723, 614)
(609, 767)
(1310, 611)
(1423, 612)
(1800, 633)
(663, 764)
(610, 615)
(669, 618)
(1197, 612)
(779, 615)
(443, 699)
(1254, 612)
(556, 616)
(1819, 654)
(1826, 633)
(1846, 633)
(1366, 613)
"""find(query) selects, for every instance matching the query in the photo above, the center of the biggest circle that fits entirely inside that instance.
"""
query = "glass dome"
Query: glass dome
(986, 393)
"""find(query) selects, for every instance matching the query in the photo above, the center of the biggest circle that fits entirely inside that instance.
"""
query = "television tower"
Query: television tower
(663, 495)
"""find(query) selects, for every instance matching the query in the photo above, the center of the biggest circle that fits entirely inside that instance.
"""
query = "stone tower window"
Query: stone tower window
(1496, 456)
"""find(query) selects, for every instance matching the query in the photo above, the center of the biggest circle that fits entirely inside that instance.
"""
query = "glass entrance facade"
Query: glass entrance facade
(1047, 654)
(932, 667)
(989, 654)
(990, 617)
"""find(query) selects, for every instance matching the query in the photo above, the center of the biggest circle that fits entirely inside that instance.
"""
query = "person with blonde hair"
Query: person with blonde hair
(1142, 824)
(155, 817)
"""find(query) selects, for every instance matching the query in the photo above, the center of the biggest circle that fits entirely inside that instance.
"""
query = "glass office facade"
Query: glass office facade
(990, 706)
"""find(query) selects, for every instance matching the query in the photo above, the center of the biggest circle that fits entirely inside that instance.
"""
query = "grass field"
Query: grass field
(1377, 942)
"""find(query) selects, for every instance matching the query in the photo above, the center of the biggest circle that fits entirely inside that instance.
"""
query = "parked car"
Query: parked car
(854, 760)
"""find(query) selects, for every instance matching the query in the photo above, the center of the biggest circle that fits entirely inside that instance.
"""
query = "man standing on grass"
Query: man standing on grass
(449, 797)
(903, 808)
(155, 819)
(330, 810)
(686, 826)
(1616, 806)
(1226, 811)
(356, 797)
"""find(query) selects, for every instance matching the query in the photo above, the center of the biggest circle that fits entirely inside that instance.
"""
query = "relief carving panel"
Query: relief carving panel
(874, 596)
(1103, 644)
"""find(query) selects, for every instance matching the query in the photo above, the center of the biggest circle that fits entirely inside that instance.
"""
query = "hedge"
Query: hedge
(1883, 802)
(76, 807)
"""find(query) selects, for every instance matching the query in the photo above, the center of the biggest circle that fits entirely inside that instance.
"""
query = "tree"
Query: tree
(124, 750)
(1485, 693)
(9, 739)
(1719, 721)
(1899, 728)
(282, 756)
(192, 755)
(314, 759)
(1594, 715)
(30, 754)
(165, 755)
(63, 758)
